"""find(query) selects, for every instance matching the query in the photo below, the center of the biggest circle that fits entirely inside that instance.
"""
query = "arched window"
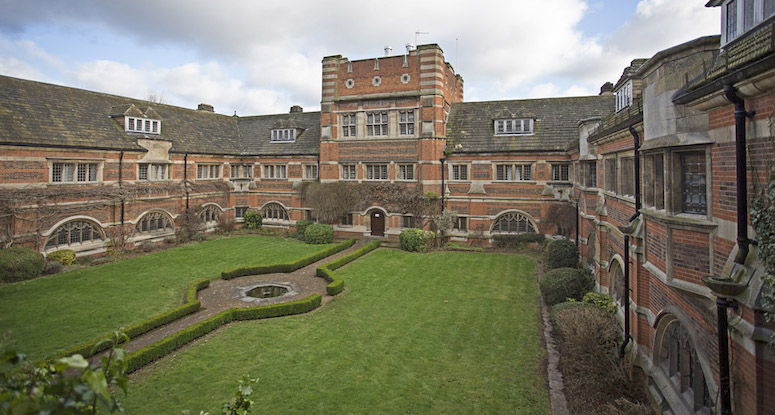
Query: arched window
(274, 211)
(154, 222)
(210, 214)
(74, 234)
(617, 282)
(591, 249)
(678, 358)
(513, 222)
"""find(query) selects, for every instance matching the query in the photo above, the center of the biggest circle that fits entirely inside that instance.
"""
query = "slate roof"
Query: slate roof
(35, 113)
(471, 129)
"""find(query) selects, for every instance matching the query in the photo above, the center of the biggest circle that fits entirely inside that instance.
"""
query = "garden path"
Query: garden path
(219, 297)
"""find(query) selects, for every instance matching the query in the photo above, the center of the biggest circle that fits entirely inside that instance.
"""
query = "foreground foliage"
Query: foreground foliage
(562, 253)
(560, 284)
(19, 263)
(763, 221)
(441, 333)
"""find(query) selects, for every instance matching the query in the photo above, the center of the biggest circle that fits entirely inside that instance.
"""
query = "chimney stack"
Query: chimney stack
(388, 50)
(607, 89)
(205, 107)
(296, 108)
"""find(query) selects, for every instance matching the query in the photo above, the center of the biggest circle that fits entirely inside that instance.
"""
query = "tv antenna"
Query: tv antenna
(418, 33)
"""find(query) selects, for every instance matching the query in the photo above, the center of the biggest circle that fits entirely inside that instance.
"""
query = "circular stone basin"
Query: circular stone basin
(267, 291)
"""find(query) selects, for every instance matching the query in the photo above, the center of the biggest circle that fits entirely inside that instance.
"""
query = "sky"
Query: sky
(261, 57)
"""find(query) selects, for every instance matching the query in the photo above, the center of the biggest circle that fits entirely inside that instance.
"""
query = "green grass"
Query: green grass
(50, 314)
(441, 333)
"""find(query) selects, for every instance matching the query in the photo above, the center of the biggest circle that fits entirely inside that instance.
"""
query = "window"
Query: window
(241, 171)
(210, 214)
(623, 96)
(311, 171)
(274, 211)
(275, 171)
(376, 123)
(740, 16)
(152, 172)
(74, 234)
(628, 176)
(69, 172)
(610, 174)
(769, 8)
(560, 172)
(406, 122)
(654, 181)
(748, 11)
(513, 222)
(376, 172)
(590, 170)
(512, 172)
(517, 126)
(239, 211)
(208, 171)
(678, 358)
(461, 224)
(731, 22)
(407, 221)
(406, 171)
(154, 222)
(459, 171)
(693, 183)
(348, 172)
(346, 219)
(285, 135)
(142, 125)
(348, 125)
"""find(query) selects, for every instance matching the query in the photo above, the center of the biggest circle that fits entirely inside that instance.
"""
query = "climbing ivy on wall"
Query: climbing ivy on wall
(763, 221)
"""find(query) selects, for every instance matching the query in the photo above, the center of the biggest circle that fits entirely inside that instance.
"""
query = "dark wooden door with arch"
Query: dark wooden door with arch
(377, 223)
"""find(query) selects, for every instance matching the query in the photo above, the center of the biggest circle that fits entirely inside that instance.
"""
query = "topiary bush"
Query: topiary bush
(301, 227)
(413, 240)
(63, 256)
(319, 233)
(19, 263)
(253, 219)
(560, 284)
(562, 253)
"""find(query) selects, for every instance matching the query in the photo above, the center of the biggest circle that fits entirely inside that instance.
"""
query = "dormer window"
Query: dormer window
(740, 16)
(514, 126)
(285, 135)
(624, 96)
(142, 125)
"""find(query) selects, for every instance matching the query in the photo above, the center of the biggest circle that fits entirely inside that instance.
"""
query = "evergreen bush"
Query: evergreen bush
(413, 240)
(63, 256)
(560, 284)
(301, 227)
(562, 253)
(604, 301)
(253, 219)
(319, 233)
(19, 263)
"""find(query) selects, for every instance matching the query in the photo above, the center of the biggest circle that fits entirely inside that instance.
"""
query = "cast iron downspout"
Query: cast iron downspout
(185, 178)
(723, 358)
(626, 295)
(636, 162)
(577, 224)
(742, 179)
(442, 160)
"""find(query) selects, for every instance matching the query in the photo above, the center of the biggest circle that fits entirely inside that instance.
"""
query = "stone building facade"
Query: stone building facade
(650, 162)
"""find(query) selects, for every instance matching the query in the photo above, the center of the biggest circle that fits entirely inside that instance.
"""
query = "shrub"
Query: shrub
(563, 283)
(517, 241)
(19, 263)
(226, 224)
(319, 233)
(253, 219)
(604, 301)
(413, 240)
(562, 253)
(65, 257)
(301, 226)
(53, 267)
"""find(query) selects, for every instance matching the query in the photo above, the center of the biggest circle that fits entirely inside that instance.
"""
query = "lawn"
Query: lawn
(440, 333)
(50, 314)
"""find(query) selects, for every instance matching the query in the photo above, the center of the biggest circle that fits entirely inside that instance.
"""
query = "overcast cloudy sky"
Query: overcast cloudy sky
(261, 57)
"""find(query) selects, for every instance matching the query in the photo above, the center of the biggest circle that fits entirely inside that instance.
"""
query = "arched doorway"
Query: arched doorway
(377, 223)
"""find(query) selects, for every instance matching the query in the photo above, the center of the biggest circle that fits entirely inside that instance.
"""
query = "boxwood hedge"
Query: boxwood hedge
(288, 266)
(336, 284)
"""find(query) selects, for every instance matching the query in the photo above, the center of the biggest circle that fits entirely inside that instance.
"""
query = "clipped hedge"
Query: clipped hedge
(288, 266)
(165, 346)
(560, 284)
(65, 257)
(191, 305)
(562, 253)
(319, 233)
(517, 241)
(19, 263)
(326, 271)
(561, 307)
(413, 240)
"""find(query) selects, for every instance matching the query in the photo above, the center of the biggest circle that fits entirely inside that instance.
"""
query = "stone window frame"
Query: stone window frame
(624, 96)
(62, 236)
(208, 171)
(557, 172)
(672, 178)
(283, 135)
(589, 169)
(155, 223)
(376, 171)
(346, 220)
(239, 212)
(737, 19)
(510, 217)
(653, 180)
(311, 171)
(406, 172)
(377, 123)
(274, 212)
(459, 172)
(408, 221)
(92, 171)
(611, 174)
(507, 172)
(349, 171)
(146, 125)
(210, 215)
(461, 224)
(406, 123)
(349, 123)
(153, 172)
(241, 170)
(275, 171)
